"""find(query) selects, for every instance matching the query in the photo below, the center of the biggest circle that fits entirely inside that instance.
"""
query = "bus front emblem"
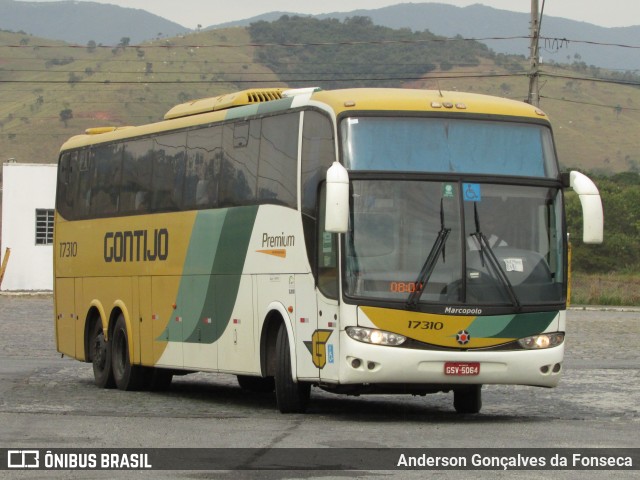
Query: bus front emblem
(463, 337)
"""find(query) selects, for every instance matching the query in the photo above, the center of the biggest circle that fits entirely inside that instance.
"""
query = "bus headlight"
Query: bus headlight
(377, 337)
(538, 342)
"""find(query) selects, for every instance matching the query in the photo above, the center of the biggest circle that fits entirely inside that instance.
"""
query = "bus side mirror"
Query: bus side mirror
(592, 214)
(337, 203)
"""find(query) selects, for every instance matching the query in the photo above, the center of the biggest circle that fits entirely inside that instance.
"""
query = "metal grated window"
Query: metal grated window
(44, 226)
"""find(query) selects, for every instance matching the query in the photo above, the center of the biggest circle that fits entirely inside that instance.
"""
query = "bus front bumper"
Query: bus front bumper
(363, 363)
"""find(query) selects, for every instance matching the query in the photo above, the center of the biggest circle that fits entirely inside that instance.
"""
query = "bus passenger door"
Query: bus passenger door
(328, 305)
(321, 299)
(327, 349)
(305, 325)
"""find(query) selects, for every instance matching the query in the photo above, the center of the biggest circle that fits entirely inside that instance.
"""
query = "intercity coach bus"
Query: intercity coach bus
(358, 240)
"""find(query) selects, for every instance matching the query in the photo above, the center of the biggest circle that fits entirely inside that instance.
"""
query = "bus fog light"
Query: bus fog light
(538, 342)
(377, 337)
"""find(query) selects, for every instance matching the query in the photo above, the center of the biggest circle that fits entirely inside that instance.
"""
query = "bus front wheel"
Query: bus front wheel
(100, 354)
(468, 400)
(126, 376)
(291, 397)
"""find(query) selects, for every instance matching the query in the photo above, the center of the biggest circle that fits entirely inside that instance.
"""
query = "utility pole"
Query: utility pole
(534, 93)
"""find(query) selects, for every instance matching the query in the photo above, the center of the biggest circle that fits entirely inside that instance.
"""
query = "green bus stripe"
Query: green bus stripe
(489, 327)
(211, 275)
(511, 326)
(231, 254)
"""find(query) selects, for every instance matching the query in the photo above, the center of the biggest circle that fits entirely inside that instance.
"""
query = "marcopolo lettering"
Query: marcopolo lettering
(463, 311)
(136, 245)
(282, 240)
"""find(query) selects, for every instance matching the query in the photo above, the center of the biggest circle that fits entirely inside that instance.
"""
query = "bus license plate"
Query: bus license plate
(462, 369)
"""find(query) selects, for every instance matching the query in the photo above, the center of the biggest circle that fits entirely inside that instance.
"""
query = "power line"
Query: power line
(560, 40)
(614, 81)
(591, 104)
(281, 78)
(274, 44)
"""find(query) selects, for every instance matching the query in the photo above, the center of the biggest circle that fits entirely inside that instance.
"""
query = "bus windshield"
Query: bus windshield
(502, 245)
(411, 144)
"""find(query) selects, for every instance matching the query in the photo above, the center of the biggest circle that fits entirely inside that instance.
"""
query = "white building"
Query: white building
(28, 201)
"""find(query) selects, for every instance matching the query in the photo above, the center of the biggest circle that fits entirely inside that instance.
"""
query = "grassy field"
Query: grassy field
(610, 289)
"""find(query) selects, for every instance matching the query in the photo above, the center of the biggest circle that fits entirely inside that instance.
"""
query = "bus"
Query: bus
(379, 241)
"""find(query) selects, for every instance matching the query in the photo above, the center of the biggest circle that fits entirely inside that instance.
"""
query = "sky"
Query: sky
(191, 13)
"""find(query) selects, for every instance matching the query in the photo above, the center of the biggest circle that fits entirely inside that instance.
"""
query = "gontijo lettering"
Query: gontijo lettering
(136, 245)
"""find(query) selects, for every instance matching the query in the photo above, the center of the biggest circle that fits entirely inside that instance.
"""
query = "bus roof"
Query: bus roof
(256, 101)
(398, 99)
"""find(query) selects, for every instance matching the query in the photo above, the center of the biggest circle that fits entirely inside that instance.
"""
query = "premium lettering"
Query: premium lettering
(136, 245)
(282, 240)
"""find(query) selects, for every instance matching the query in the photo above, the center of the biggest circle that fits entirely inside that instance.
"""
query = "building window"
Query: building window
(44, 226)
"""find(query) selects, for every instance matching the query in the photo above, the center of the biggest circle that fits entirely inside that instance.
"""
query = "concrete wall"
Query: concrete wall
(26, 187)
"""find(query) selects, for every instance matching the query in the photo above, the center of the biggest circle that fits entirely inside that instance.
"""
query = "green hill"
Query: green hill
(116, 85)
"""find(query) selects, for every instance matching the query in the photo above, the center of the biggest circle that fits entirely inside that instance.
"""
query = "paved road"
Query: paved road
(50, 402)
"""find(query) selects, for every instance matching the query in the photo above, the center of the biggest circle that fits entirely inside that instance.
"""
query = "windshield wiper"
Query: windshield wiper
(485, 249)
(430, 262)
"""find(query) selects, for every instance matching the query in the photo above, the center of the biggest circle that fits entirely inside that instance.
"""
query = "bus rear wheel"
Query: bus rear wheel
(468, 400)
(126, 376)
(100, 354)
(291, 397)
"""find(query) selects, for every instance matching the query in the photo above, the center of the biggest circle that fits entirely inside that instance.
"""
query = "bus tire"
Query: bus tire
(126, 376)
(468, 400)
(291, 397)
(256, 384)
(100, 354)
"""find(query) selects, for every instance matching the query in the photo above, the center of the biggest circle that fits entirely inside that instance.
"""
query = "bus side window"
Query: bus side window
(278, 166)
(106, 178)
(318, 153)
(82, 199)
(240, 163)
(63, 204)
(202, 168)
(135, 192)
(168, 172)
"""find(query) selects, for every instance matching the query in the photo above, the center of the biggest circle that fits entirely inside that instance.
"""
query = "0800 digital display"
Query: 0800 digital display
(404, 287)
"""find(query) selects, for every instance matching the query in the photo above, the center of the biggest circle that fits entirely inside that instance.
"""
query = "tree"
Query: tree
(617, 110)
(620, 251)
(65, 116)
(91, 46)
